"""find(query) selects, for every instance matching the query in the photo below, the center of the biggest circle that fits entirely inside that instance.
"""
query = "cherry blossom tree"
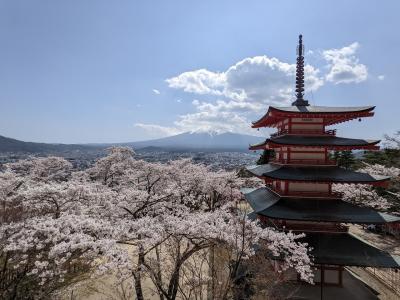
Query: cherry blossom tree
(366, 195)
(393, 140)
(380, 170)
(361, 194)
(140, 218)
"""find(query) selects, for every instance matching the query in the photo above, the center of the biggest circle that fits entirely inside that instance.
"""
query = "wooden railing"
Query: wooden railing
(302, 226)
(305, 132)
(311, 162)
(332, 227)
(313, 194)
(389, 277)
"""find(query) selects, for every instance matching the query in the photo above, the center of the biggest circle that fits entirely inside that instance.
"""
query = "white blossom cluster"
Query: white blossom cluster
(361, 194)
(53, 217)
(380, 170)
(365, 195)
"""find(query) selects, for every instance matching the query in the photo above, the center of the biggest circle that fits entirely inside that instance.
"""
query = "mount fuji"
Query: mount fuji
(201, 141)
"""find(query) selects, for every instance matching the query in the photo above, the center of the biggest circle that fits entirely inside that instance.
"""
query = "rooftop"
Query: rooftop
(332, 115)
(347, 250)
(314, 174)
(313, 141)
(267, 203)
(322, 109)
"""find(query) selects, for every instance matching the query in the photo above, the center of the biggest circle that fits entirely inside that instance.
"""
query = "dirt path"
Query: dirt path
(386, 243)
(383, 242)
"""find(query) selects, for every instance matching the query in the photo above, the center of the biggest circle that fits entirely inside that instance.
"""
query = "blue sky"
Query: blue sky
(114, 71)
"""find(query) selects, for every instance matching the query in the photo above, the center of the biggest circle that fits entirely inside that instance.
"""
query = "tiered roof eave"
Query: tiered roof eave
(325, 174)
(346, 249)
(332, 115)
(328, 142)
(267, 203)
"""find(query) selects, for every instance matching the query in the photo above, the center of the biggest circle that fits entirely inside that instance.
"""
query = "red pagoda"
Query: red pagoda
(298, 192)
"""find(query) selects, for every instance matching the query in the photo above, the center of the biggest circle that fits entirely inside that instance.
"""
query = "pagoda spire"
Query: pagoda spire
(300, 75)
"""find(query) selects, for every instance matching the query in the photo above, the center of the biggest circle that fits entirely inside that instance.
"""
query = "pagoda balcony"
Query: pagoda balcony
(305, 226)
(330, 132)
(306, 194)
(308, 162)
(336, 227)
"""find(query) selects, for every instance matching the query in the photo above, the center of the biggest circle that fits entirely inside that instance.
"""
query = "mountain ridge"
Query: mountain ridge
(200, 140)
(184, 141)
(8, 144)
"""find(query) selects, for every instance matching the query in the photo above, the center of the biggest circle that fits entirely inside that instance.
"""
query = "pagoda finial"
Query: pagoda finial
(300, 75)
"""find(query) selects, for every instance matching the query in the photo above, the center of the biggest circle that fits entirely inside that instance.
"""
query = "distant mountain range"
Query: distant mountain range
(13, 145)
(201, 141)
(186, 141)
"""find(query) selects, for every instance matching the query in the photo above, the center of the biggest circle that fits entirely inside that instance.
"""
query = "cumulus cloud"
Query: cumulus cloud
(157, 92)
(267, 80)
(255, 79)
(244, 90)
(158, 130)
(344, 66)
(381, 77)
(220, 117)
(199, 81)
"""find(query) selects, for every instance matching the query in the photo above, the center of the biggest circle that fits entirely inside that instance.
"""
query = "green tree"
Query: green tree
(388, 157)
(345, 159)
(265, 157)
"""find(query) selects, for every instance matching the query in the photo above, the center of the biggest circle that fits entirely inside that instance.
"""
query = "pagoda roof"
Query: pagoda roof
(322, 109)
(314, 141)
(314, 174)
(345, 249)
(266, 203)
(332, 114)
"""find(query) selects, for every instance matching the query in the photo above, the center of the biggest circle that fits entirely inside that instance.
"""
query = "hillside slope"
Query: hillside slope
(13, 145)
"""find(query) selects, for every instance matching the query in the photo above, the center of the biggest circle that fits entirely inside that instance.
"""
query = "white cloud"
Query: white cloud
(255, 79)
(157, 92)
(158, 130)
(381, 77)
(344, 66)
(309, 52)
(267, 80)
(245, 90)
(222, 116)
(199, 81)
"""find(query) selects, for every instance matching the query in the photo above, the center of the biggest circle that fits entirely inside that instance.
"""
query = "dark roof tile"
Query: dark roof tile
(346, 249)
(322, 109)
(314, 174)
(267, 203)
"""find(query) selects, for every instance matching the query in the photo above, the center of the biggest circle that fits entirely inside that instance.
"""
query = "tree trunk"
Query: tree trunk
(211, 263)
(174, 283)
(138, 285)
(137, 275)
(211, 274)
(159, 275)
